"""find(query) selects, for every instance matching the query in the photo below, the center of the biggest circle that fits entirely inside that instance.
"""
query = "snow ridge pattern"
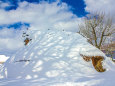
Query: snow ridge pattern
(53, 58)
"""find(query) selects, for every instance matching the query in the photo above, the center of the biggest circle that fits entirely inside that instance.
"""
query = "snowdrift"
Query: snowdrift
(52, 58)
(3, 58)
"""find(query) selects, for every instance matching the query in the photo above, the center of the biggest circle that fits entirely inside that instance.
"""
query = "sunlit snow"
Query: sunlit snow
(53, 58)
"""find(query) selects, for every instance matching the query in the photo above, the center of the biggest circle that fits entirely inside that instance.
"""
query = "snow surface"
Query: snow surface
(53, 58)
(3, 58)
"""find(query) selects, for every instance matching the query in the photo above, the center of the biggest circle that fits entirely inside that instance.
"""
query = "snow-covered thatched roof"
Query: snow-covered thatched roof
(52, 58)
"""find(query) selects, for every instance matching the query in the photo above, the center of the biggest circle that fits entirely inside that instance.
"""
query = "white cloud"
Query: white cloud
(3, 5)
(106, 6)
(39, 16)
(10, 41)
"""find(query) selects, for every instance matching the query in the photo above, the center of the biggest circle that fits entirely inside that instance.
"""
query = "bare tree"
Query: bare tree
(97, 28)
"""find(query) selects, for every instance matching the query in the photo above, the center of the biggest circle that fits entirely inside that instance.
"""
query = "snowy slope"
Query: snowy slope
(53, 58)
(3, 58)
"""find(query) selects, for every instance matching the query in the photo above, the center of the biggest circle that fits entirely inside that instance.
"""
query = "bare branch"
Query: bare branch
(97, 28)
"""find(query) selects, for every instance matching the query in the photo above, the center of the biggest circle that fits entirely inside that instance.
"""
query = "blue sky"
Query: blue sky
(77, 5)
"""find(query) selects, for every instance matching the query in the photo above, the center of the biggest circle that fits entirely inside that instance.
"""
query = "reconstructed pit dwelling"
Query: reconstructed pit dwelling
(51, 54)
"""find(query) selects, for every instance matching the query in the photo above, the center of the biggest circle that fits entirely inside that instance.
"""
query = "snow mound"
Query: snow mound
(3, 58)
(53, 58)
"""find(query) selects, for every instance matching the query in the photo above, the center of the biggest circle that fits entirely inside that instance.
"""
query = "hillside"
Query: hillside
(52, 58)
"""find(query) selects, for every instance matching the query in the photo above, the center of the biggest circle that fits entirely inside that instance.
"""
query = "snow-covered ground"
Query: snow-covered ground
(53, 58)
(3, 58)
